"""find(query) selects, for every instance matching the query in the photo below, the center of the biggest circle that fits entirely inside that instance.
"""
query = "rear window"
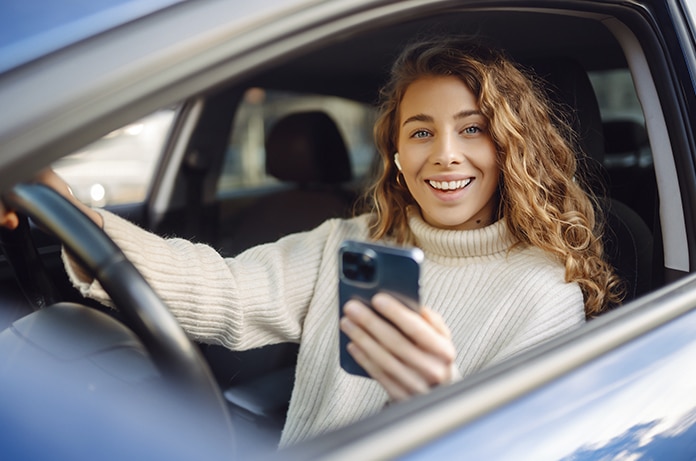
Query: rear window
(244, 166)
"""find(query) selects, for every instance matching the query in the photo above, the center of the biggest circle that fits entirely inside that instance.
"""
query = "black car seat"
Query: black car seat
(628, 240)
(305, 151)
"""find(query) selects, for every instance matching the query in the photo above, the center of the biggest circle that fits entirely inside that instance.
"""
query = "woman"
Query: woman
(479, 174)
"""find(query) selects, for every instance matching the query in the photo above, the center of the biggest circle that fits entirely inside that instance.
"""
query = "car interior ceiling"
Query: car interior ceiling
(343, 68)
(354, 67)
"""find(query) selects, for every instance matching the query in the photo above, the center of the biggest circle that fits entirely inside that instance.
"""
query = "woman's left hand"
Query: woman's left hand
(409, 357)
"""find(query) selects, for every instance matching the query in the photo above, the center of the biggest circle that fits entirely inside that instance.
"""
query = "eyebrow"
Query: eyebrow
(427, 118)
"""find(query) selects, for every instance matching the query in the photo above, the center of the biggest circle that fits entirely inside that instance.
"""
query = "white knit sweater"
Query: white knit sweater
(497, 302)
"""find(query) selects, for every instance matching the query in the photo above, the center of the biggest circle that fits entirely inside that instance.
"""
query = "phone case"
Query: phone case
(366, 269)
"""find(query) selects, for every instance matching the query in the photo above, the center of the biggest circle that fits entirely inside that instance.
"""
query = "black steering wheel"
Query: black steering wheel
(172, 352)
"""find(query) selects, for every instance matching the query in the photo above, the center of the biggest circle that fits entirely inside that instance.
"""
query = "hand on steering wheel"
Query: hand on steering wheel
(47, 177)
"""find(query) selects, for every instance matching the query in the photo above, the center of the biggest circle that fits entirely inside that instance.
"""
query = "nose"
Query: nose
(446, 151)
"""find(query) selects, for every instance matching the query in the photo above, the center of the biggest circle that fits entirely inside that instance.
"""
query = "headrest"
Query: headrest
(570, 87)
(622, 136)
(306, 147)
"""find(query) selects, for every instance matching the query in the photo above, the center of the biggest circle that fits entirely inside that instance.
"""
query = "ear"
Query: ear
(396, 161)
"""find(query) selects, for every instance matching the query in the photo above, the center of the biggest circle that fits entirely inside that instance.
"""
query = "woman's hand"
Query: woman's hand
(48, 177)
(409, 357)
(8, 218)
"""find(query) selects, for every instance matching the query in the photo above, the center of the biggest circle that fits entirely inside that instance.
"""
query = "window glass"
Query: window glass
(616, 95)
(118, 168)
(628, 159)
(244, 166)
(625, 136)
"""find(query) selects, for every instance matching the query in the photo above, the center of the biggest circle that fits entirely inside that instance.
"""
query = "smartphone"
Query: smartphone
(366, 269)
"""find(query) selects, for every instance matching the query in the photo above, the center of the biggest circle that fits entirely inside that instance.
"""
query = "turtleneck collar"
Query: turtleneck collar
(460, 243)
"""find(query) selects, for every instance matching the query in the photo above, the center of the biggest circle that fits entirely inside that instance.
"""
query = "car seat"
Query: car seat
(628, 241)
(306, 152)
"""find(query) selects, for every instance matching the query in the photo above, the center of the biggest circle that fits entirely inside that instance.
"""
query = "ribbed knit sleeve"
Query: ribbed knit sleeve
(260, 297)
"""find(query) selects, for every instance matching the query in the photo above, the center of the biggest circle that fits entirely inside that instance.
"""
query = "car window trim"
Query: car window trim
(671, 211)
(162, 189)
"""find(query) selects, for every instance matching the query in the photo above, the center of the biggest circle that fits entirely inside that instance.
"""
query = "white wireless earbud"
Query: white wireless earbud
(396, 161)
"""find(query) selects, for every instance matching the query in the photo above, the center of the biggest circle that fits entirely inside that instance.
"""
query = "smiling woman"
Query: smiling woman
(493, 125)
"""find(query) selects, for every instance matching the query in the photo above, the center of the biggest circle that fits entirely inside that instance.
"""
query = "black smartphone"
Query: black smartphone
(366, 269)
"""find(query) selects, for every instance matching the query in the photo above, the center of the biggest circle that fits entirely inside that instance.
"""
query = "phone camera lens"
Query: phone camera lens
(358, 266)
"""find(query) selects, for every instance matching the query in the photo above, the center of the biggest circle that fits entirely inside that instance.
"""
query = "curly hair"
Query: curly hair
(542, 197)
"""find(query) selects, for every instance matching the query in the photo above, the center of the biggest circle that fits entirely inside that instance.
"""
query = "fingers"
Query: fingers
(8, 219)
(48, 177)
(433, 338)
(399, 381)
(436, 321)
(407, 357)
(55, 182)
(379, 361)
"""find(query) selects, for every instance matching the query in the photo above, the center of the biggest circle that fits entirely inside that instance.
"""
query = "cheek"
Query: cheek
(410, 158)
(490, 161)
(493, 167)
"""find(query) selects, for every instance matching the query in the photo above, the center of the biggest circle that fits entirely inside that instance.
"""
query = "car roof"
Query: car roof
(33, 28)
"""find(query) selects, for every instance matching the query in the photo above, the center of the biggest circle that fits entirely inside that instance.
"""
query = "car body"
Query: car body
(620, 387)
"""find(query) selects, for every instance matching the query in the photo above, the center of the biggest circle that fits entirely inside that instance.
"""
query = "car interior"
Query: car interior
(309, 164)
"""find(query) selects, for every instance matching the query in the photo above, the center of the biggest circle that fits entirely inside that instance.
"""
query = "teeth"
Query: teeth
(450, 185)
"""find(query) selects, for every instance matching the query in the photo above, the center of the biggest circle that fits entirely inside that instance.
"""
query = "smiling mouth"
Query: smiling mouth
(450, 185)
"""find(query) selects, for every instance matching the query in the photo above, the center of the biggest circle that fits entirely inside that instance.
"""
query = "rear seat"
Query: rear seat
(306, 151)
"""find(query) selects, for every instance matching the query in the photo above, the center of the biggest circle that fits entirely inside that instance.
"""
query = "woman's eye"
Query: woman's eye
(420, 134)
(472, 130)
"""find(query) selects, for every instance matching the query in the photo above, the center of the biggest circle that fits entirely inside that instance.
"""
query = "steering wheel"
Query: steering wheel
(173, 353)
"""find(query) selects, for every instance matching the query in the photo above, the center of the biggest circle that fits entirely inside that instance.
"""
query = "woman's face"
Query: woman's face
(447, 156)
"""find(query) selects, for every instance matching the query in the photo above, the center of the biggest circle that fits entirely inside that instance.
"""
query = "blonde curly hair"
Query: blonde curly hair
(542, 199)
